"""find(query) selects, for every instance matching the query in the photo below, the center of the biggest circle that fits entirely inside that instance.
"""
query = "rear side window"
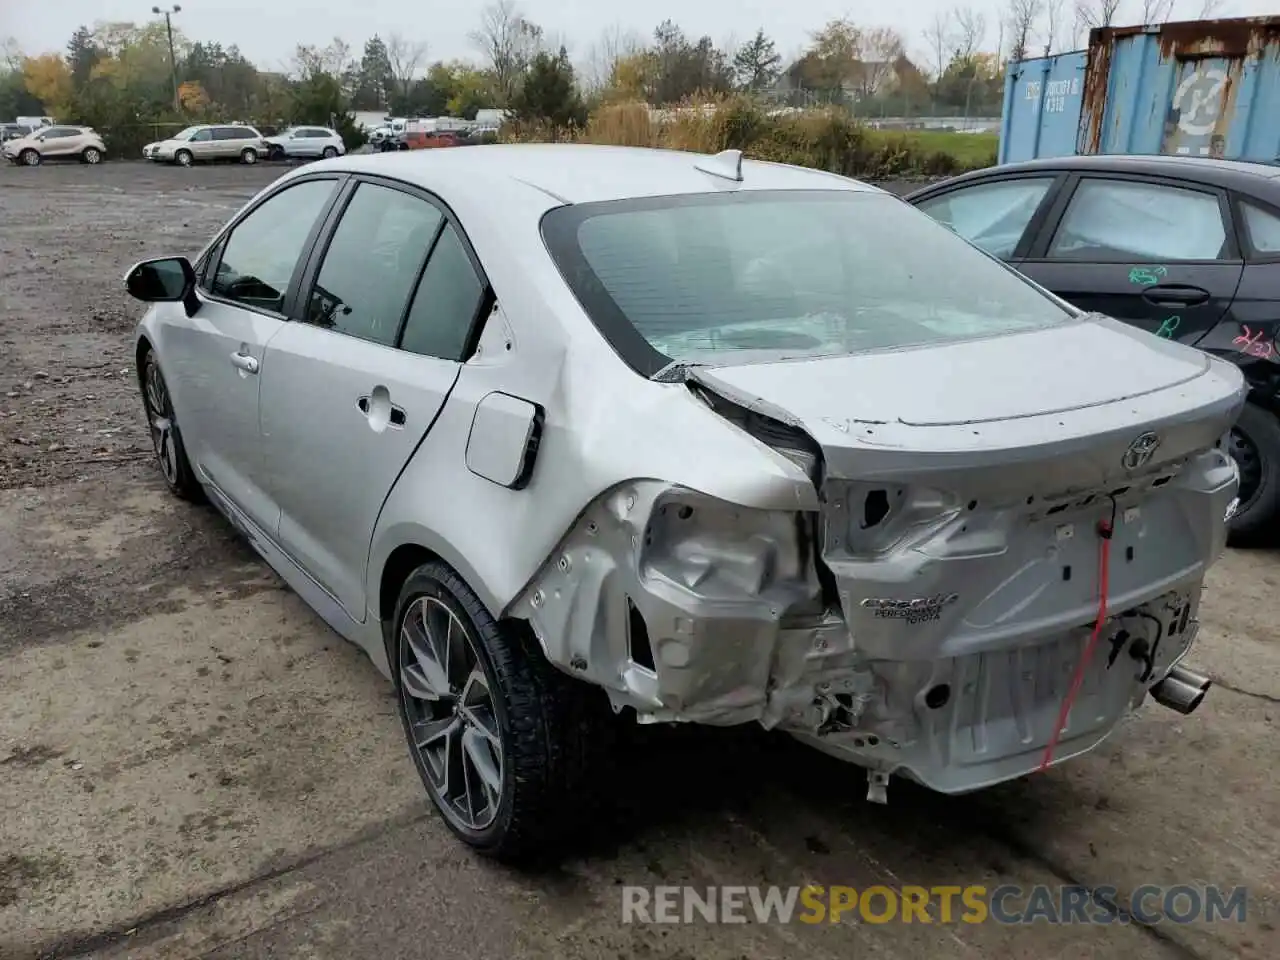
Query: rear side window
(991, 215)
(372, 264)
(447, 302)
(1120, 221)
(1263, 227)
(259, 258)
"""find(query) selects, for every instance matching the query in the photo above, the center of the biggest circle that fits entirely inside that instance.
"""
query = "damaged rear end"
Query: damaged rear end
(932, 617)
(1006, 556)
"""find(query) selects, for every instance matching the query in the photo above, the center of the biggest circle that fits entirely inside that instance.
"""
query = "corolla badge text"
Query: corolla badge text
(915, 610)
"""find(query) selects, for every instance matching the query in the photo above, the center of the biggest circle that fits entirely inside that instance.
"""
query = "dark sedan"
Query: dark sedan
(1187, 248)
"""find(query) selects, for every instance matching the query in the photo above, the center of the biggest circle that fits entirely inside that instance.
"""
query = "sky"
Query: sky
(267, 31)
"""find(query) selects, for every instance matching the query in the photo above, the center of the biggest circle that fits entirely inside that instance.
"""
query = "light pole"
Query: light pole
(173, 60)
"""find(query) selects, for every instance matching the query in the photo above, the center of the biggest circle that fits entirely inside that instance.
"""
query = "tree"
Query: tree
(331, 61)
(548, 93)
(615, 44)
(634, 77)
(880, 49)
(403, 59)
(755, 65)
(508, 42)
(82, 57)
(1096, 13)
(1021, 17)
(1156, 11)
(939, 36)
(193, 97)
(48, 79)
(836, 51)
(376, 81)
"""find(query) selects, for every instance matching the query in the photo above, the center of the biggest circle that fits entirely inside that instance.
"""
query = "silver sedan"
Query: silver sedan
(565, 436)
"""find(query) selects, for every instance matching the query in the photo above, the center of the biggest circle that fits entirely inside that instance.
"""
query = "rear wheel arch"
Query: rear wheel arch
(407, 557)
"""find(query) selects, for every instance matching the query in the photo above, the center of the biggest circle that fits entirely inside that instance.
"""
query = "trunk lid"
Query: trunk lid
(1048, 411)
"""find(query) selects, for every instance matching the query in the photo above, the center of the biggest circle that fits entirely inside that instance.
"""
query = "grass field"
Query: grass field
(971, 150)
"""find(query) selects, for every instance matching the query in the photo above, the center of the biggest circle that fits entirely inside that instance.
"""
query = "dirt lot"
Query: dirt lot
(191, 764)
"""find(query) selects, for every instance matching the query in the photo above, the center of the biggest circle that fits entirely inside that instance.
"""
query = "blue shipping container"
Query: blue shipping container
(1202, 88)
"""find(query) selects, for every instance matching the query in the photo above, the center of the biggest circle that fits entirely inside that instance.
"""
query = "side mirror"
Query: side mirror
(165, 280)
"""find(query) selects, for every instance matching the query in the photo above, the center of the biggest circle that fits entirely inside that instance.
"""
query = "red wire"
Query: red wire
(1077, 679)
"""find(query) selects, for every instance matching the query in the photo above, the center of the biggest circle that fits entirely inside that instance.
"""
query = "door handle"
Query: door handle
(245, 362)
(397, 417)
(1176, 295)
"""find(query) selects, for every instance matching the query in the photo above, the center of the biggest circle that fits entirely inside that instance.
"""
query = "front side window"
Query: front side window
(259, 257)
(1122, 221)
(185, 134)
(1263, 227)
(372, 263)
(200, 136)
(770, 275)
(448, 299)
(991, 215)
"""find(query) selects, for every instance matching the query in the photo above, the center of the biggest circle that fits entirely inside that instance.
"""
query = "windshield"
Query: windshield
(185, 134)
(770, 275)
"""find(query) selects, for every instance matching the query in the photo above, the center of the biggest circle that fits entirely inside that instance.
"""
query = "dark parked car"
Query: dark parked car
(1187, 248)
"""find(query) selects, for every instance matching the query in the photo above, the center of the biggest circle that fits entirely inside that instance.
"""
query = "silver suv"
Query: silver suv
(219, 141)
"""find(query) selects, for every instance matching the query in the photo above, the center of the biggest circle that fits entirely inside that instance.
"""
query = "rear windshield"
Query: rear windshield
(768, 275)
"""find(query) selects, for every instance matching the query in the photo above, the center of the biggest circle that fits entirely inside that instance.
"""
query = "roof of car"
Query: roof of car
(1204, 169)
(584, 173)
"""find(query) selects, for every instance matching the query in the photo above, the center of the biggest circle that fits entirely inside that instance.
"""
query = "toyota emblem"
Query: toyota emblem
(1140, 451)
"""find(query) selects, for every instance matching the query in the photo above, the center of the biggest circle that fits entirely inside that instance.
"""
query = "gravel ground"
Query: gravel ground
(191, 764)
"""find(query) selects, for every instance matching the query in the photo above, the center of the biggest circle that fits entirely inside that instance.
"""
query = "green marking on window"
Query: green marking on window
(1166, 329)
(1147, 275)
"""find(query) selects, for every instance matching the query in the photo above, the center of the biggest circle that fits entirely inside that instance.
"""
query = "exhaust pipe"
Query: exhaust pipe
(1182, 690)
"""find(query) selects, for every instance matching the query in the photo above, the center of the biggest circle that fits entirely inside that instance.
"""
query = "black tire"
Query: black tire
(1255, 444)
(329, 153)
(91, 155)
(249, 155)
(166, 438)
(183, 158)
(555, 732)
(29, 158)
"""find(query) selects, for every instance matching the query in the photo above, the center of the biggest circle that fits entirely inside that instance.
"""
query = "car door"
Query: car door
(995, 214)
(352, 387)
(1160, 254)
(202, 144)
(225, 144)
(58, 142)
(214, 358)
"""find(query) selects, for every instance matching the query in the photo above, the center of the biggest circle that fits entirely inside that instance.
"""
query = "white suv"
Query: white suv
(309, 142)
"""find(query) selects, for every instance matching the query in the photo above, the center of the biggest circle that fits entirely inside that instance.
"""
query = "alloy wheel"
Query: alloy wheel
(92, 156)
(31, 158)
(160, 421)
(452, 717)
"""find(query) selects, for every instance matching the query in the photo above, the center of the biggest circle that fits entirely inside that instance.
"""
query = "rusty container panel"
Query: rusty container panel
(1200, 88)
(1041, 113)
